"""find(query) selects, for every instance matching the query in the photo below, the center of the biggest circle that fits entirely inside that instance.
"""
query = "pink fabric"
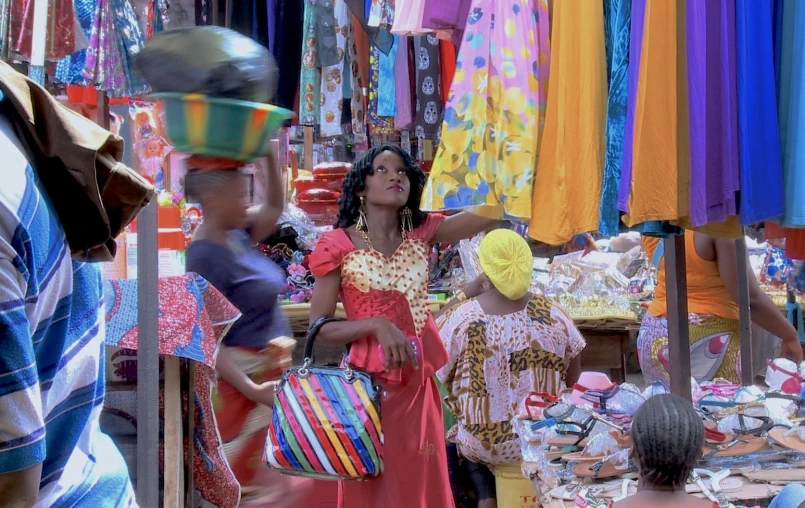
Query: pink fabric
(403, 89)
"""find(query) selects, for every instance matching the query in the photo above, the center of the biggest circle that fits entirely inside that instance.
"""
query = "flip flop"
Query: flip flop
(603, 469)
(582, 457)
(536, 402)
(787, 439)
(704, 480)
(716, 480)
(555, 452)
(746, 445)
(568, 435)
(712, 435)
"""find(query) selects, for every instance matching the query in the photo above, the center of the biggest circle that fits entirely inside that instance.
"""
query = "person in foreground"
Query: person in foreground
(52, 450)
(503, 343)
(257, 348)
(668, 437)
(376, 259)
(712, 277)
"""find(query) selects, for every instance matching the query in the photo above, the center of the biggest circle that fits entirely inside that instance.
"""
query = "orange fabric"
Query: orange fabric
(447, 62)
(361, 51)
(661, 153)
(706, 291)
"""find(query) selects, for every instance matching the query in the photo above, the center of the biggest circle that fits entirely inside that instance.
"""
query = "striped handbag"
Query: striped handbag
(326, 421)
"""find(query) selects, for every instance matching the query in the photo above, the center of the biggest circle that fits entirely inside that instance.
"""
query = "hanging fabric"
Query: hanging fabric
(655, 174)
(381, 37)
(387, 100)
(402, 90)
(618, 18)
(374, 13)
(712, 109)
(449, 17)
(70, 68)
(114, 41)
(488, 148)
(447, 64)
(310, 77)
(332, 89)
(762, 196)
(567, 185)
(288, 43)
(428, 104)
(408, 17)
(61, 22)
(326, 38)
(377, 124)
(792, 110)
(358, 102)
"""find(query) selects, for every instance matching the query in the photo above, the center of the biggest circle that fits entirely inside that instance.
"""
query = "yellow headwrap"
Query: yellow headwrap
(506, 260)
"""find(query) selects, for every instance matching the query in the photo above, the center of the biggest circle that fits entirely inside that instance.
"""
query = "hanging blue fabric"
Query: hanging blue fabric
(618, 33)
(794, 311)
(69, 68)
(386, 86)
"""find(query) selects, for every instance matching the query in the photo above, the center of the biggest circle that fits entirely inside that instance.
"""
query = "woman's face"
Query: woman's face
(389, 184)
(230, 203)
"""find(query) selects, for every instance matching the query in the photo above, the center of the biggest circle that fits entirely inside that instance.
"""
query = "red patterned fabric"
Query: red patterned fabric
(61, 25)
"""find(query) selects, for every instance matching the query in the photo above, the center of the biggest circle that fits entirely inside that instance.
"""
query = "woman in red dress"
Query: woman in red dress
(376, 260)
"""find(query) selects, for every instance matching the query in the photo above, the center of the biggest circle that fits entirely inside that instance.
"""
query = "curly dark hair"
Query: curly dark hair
(349, 203)
(668, 436)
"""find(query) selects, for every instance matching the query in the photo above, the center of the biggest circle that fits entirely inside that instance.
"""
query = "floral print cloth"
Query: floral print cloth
(491, 126)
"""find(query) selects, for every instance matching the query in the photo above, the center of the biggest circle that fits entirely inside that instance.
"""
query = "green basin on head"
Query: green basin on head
(229, 128)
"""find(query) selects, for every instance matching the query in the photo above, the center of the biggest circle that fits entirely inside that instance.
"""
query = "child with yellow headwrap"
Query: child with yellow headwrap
(503, 342)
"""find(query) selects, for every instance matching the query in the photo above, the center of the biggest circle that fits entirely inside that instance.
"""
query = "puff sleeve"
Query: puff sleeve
(427, 230)
(329, 253)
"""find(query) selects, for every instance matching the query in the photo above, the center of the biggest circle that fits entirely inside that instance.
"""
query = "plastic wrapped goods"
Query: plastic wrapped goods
(209, 60)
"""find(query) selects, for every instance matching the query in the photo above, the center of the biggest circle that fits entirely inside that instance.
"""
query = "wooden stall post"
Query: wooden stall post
(678, 332)
(173, 493)
(744, 318)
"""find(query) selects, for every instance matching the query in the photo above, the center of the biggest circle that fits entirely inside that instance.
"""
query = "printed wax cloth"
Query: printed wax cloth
(193, 316)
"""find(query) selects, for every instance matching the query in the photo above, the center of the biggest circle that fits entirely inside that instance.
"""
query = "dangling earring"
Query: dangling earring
(361, 225)
(406, 220)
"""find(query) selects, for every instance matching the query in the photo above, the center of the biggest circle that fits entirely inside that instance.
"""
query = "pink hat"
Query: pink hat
(590, 381)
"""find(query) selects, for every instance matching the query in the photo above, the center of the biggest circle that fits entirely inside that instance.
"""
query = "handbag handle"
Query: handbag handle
(312, 333)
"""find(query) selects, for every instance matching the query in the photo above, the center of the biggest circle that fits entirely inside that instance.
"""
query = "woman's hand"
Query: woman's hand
(792, 349)
(397, 349)
(262, 393)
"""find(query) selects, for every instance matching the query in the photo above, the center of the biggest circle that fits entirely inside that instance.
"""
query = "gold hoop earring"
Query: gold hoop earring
(406, 222)
(361, 224)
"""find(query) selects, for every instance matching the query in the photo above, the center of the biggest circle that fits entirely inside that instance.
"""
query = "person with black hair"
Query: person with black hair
(668, 437)
(376, 259)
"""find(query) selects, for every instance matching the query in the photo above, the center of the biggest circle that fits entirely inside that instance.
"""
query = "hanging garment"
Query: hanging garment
(659, 167)
(287, 50)
(617, 29)
(567, 186)
(69, 69)
(310, 77)
(333, 76)
(792, 110)
(408, 17)
(387, 99)
(271, 23)
(381, 37)
(712, 107)
(447, 64)
(761, 194)
(377, 124)
(402, 89)
(488, 149)
(449, 17)
(358, 102)
(326, 34)
(114, 41)
(790, 239)
(374, 12)
(61, 26)
(428, 103)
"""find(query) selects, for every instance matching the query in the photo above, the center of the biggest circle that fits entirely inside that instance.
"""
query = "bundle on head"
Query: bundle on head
(668, 436)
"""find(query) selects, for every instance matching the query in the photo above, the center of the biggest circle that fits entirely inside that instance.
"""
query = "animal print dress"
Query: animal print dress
(495, 361)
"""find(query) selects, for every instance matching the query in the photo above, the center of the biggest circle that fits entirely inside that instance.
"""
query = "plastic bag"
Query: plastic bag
(209, 60)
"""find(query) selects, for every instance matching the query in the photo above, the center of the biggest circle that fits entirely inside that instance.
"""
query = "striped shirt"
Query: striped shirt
(51, 350)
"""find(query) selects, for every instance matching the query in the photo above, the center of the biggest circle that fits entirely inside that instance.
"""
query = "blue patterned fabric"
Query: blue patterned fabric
(69, 68)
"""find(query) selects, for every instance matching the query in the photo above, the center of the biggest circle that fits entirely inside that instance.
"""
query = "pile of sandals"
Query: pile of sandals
(588, 445)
